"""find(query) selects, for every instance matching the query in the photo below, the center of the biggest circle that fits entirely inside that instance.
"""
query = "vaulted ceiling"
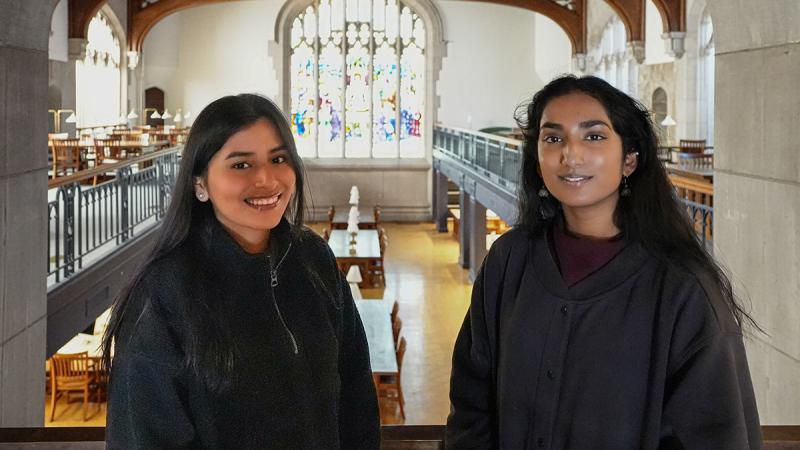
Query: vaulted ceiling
(570, 15)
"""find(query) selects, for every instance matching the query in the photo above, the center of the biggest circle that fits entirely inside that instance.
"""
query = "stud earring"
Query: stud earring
(201, 196)
(626, 190)
(543, 192)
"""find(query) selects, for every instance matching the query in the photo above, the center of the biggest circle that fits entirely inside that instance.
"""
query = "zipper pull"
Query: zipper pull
(273, 278)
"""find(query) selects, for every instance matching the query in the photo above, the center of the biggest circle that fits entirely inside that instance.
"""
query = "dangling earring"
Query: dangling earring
(543, 192)
(626, 190)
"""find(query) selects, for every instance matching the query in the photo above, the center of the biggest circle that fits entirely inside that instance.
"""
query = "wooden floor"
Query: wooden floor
(433, 291)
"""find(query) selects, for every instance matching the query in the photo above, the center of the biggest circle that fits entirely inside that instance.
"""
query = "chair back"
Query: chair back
(66, 154)
(107, 148)
(70, 368)
(400, 353)
(395, 310)
(397, 325)
(325, 234)
(692, 145)
(377, 213)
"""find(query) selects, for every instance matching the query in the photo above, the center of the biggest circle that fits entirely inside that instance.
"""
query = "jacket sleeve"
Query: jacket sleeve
(471, 422)
(359, 418)
(709, 399)
(146, 400)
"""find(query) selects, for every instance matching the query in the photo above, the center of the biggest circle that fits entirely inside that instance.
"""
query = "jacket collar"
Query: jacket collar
(224, 251)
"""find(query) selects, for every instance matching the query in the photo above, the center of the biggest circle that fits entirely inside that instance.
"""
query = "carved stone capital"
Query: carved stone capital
(133, 59)
(674, 41)
(636, 49)
(77, 49)
(579, 60)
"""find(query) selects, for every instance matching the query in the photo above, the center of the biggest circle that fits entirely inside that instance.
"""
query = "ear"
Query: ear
(200, 189)
(630, 163)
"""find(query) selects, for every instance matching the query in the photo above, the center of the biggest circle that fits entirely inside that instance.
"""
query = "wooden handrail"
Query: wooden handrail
(103, 168)
(692, 184)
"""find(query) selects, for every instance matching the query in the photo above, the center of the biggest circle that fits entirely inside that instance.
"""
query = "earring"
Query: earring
(626, 190)
(543, 192)
(201, 196)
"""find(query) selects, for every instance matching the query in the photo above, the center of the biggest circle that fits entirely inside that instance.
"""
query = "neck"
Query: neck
(250, 242)
(595, 223)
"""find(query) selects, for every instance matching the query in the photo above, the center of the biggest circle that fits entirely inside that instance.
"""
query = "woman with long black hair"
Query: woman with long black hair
(600, 321)
(239, 331)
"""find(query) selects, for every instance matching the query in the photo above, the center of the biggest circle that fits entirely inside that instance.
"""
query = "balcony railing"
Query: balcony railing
(485, 152)
(88, 221)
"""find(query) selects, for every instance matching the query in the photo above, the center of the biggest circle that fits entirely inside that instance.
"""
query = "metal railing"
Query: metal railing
(485, 152)
(86, 222)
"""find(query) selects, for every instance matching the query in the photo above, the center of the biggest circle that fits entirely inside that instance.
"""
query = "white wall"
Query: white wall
(203, 53)
(492, 63)
(57, 48)
(655, 45)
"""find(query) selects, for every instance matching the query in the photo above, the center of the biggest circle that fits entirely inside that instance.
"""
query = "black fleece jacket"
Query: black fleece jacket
(641, 354)
(301, 374)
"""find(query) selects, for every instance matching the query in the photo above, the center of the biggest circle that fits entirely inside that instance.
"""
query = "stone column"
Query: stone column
(440, 201)
(24, 32)
(477, 237)
(757, 186)
(465, 228)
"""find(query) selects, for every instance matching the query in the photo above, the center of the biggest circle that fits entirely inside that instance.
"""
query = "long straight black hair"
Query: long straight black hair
(652, 216)
(209, 353)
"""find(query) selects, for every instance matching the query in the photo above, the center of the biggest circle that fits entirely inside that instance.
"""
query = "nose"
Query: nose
(572, 154)
(264, 177)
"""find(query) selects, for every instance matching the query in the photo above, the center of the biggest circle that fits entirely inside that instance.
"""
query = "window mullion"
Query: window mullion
(398, 92)
(371, 78)
(316, 49)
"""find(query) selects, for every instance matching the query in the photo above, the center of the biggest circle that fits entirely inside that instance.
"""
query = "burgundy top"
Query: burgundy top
(579, 257)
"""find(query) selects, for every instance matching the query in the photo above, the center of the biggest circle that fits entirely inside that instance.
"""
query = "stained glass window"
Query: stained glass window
(358, 80)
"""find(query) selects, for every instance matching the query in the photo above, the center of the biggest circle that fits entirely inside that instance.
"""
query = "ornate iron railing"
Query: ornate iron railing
(86, 222)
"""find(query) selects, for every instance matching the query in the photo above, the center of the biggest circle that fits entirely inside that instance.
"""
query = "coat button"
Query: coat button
(551, 375)
(540, 442)
(564, 310)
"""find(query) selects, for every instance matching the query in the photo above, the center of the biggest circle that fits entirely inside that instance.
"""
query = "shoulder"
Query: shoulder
(312, 246)
(510, 249)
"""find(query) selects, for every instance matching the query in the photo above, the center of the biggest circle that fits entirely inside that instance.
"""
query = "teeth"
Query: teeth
(574, 178)
(263, 201)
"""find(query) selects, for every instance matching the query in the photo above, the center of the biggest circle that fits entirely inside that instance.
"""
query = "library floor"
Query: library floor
(423, 275)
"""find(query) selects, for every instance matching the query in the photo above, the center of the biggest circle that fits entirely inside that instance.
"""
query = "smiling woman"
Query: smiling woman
(239, 331)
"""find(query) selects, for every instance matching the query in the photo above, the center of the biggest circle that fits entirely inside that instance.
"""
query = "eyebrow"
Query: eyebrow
(584, 124)
(232, 155)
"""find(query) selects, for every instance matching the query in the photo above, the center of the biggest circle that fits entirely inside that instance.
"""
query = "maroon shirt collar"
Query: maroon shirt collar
(579, 257)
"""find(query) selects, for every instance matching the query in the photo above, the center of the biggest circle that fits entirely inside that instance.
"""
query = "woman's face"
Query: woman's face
(580, 155)
(249, 182)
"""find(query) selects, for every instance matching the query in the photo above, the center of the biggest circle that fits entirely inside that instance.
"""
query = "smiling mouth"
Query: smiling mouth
(575, 180)
(262, 203)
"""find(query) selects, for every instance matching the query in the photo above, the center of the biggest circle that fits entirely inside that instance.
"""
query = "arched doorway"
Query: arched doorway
(660, 110)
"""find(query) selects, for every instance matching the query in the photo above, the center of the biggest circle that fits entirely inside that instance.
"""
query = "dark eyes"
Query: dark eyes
(550, 139)
(280, 159)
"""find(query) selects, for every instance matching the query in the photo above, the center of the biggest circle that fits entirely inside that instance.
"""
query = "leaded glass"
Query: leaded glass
(358, 79)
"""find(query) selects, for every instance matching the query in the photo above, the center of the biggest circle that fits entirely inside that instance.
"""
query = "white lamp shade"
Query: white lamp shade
(352, 227)
(155, 115)
(133, 115)
(187, 115)
(166, 115)
(668, 121)
(178, 117)
(71, 118)
(354, 275)
(354, 190)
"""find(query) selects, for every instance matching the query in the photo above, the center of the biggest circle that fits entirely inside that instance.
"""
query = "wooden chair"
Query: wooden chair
(325, 234)
(376, 266)
(397, 325)
(66, 156)
(331, 213)
(70, 373)
(107, 151)
(377, 213)
(389, 386)
(395, 310)
(692, 145)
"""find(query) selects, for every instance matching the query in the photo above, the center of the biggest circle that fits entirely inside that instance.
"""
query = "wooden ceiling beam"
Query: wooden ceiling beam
(79, 14)
(142, 19)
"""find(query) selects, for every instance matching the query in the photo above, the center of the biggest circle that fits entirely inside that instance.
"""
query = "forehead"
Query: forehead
(574, 107)
(261, 135)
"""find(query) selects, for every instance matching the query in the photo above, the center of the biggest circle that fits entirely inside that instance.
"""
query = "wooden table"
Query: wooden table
(367, 249)
(83, 343)
(366, 218)
(377, 320)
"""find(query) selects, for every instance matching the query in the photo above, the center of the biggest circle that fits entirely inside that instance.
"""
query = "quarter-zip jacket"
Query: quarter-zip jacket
(301, 367)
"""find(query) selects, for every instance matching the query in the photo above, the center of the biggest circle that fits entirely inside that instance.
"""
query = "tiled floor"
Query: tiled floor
(422, 273)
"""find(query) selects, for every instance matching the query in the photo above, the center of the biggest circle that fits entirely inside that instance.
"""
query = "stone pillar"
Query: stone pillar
(440, 201)
(477, 237)
(757, 187)
(465, 228)
(24, 32)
